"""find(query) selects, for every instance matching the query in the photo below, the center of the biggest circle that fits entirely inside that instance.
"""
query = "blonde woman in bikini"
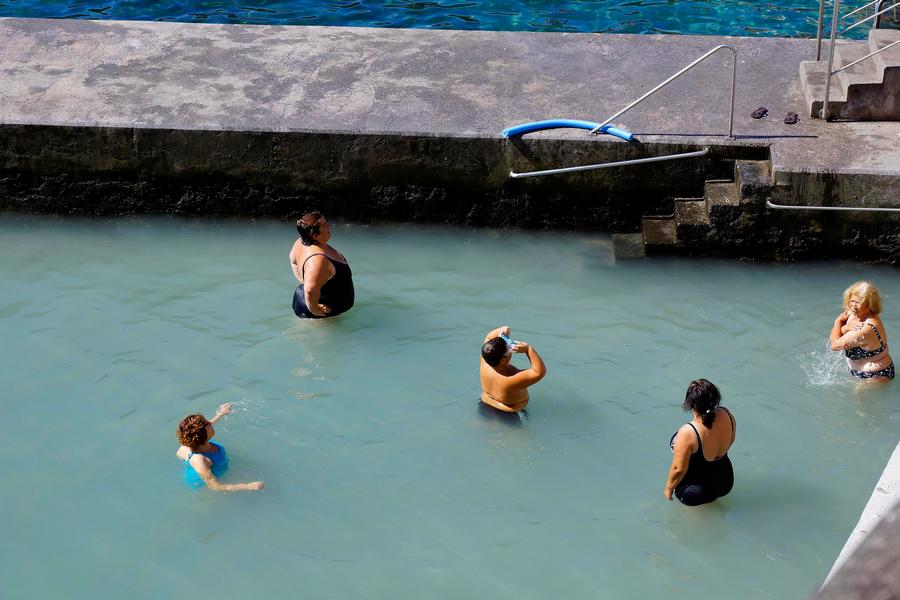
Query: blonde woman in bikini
(859, 333)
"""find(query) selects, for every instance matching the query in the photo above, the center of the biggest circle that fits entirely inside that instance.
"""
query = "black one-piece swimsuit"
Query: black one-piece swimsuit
(705, 480)
(337, 293)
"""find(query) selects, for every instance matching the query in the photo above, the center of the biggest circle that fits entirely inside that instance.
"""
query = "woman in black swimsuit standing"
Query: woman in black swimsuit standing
(701, 470)
(859, 332)
(326, 282)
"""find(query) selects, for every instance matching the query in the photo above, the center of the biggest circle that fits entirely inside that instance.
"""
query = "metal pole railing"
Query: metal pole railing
(770, 204)
(679, 74)
(870, 55)
(863, 7)
(880, 12)
(621, 163)
(819, 29)
(834, 24)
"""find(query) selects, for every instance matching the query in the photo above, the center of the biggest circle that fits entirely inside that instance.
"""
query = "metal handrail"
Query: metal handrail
(863, 7)
(880, 12)
(679, 74)
(834, 25)
(770, 204)
(819, 29)
(831, 71)
(821, 22)
(621, 163)
(870, 55)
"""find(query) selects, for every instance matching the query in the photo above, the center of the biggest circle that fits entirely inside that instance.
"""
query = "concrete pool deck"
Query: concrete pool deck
(883, 498)
(867, 569)
(438, 83)
(114, 116)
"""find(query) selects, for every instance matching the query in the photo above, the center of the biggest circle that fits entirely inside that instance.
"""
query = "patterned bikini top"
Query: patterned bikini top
(859, 353)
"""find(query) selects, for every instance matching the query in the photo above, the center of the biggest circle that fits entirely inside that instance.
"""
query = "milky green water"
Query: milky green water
(382, 479)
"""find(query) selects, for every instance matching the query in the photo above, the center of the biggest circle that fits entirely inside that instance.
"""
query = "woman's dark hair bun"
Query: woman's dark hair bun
(703, 396)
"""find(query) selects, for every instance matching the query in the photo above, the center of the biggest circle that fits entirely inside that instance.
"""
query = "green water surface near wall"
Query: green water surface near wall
(382, 479)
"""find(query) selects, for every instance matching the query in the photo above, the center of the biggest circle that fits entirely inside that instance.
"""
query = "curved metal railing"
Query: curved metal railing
(637, 161)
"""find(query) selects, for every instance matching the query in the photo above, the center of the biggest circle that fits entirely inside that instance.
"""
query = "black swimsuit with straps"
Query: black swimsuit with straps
(337, 293)
(705, 480)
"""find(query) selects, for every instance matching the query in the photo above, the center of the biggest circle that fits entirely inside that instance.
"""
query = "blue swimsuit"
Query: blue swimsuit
(859, 354)
(219, 466)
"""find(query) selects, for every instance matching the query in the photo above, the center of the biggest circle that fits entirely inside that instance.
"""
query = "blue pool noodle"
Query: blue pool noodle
(566, 123)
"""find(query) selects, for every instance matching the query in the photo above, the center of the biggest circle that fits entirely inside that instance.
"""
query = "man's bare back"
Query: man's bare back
(504, 386)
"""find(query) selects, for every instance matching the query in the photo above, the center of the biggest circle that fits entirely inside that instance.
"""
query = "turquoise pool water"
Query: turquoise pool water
(382, 480)
(792, 18)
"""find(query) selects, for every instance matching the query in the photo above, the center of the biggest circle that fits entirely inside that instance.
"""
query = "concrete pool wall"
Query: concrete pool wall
(130, 117)
(90, 170)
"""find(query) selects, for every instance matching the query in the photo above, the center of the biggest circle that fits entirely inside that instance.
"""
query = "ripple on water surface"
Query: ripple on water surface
(706, 17)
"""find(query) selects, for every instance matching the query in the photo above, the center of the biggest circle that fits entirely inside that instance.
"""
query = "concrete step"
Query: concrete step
(723, 202)
(813, 75)
(628, 245)
(691, 211)
(659, 233)
(691, 221)
(860, 73)
(867, 91)
(753, 179)
(721, 192)
(878, 39)
(873, 98)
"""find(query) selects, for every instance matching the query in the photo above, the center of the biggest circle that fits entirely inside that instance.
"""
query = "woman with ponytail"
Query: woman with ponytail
(701, 470)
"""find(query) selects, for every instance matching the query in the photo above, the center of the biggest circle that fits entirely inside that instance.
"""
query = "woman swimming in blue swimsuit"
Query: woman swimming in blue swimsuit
(859, 333)
(206, 461)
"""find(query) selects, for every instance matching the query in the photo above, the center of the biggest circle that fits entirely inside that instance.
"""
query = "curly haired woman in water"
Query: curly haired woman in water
(206, 461)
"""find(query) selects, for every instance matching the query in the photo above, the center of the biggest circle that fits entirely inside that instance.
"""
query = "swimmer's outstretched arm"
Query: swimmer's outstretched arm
(201, 465)
(496, 332)
(223, 410)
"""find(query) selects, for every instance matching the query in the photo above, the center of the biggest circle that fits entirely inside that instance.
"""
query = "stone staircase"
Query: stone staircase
(868, 91)
(723, 218)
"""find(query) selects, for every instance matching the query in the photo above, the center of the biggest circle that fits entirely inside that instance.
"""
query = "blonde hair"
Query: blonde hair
(868, 296)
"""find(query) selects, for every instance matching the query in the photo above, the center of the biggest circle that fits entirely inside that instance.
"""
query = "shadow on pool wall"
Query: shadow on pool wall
(454, 180)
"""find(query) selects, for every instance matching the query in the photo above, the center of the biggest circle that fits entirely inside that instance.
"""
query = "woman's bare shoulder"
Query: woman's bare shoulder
(876, 321)
(686, 431)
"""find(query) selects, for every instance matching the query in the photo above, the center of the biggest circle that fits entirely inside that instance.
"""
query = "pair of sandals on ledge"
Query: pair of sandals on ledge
(762, 111)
